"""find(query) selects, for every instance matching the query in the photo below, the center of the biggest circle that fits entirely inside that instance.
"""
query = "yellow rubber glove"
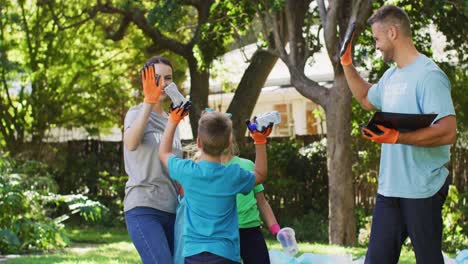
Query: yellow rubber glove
(346, 49)
(179, 112)
(258, 137)
(152, 87)
(388, 135)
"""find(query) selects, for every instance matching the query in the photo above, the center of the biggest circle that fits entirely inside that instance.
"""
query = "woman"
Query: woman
(150, 195)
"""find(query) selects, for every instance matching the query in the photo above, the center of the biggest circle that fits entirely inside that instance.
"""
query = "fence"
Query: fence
(83, 165)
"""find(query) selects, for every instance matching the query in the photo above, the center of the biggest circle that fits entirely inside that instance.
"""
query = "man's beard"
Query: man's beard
(386, 58)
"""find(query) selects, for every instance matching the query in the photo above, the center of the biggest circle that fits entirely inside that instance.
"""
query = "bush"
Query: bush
(454, 213)
(29, 208)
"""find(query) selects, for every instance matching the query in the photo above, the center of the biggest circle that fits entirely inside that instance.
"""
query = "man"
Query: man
(413, 181)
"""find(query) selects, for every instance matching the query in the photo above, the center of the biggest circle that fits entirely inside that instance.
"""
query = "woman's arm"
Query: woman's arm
(134, 134)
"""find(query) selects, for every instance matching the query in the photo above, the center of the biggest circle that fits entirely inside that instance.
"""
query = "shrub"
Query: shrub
(29, 210)
(454, 213)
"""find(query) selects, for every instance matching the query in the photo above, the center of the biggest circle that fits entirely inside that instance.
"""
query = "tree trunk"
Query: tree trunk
(199, 90)
(249, 90)
(342, 220)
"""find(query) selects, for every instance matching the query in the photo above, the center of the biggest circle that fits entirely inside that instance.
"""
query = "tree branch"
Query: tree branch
(137, 16)
(203, 9)
(330, 30)
(322, 11)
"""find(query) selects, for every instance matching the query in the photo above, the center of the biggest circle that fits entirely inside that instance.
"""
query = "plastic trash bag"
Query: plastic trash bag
(279, 257)
(178, 227)
(310, 258)
(462, 257)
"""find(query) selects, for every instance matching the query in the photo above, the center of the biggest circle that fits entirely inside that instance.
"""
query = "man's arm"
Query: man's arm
(165, 149)
(358, 86)
(442, 132)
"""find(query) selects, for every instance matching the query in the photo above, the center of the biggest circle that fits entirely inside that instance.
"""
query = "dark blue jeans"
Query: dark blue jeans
(208, 258)
(152, 233)
(394, 219)
(253, 248)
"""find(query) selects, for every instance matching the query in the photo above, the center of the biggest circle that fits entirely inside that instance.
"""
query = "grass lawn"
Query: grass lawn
(114, 246)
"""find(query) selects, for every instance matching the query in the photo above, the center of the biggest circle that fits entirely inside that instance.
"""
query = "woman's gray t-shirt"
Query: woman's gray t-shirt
(149, 184)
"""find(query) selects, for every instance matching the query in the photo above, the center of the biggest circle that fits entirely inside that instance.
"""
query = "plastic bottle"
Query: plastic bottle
(176, 97)
(287, 239)
(265, 119)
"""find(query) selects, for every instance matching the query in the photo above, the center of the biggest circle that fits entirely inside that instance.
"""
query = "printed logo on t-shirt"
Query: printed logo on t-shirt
(175, 144)
(393, 93)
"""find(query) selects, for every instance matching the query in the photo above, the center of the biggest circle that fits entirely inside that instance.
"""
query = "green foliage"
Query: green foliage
(455, 212)
(58, 71)
(23, 223)
(297, 183)
(28, 211)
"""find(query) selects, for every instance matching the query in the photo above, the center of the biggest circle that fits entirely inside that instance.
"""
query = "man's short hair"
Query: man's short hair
(214, 131)
(392, 15)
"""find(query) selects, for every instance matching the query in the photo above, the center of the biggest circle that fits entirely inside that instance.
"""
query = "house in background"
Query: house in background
(299, 115)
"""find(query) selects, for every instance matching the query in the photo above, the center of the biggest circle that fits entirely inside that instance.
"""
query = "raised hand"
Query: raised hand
(259, 137)
(179, 112)
(152, 86)
(346, 48)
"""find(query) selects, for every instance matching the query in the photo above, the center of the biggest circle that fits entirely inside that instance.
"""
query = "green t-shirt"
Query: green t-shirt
(247, 210)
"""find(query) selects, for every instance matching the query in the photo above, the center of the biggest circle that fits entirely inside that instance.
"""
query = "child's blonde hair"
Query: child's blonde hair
(233, 148)
(214, 132)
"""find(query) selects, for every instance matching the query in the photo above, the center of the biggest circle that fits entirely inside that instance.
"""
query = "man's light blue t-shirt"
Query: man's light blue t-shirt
(419, 88)
(210, 191)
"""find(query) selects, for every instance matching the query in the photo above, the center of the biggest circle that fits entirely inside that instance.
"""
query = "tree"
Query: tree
(334, 19)
(169, 27)
(55, 72)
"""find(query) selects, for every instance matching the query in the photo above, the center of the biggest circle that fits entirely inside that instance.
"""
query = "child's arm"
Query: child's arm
(261, 164)
(165, 149)
(177, 114)
(266, 213)
(260, 140)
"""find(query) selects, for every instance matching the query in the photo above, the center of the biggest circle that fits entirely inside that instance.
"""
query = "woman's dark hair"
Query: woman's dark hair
(158, 60)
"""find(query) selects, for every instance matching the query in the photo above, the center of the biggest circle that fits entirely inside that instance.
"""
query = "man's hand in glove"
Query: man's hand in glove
(346, 48)
(389, 135)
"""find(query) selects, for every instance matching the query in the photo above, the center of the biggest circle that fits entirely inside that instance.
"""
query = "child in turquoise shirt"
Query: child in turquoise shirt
(210, 188)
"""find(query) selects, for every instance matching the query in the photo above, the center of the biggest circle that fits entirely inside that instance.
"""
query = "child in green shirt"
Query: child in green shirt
(250, 207)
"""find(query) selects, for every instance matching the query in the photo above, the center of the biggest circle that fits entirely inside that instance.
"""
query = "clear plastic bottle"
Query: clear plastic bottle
(265, 119)
(176, 97)
(286, 237)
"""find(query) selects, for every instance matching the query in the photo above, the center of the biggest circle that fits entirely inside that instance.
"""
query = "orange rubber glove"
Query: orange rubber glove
(389, 135)
(179, 112)
(259, 137)
(346, 49)
(152, 87)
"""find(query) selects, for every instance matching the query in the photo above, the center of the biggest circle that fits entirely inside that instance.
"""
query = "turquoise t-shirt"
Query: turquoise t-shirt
(247, 209)
(210, 222)
(419, 88)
